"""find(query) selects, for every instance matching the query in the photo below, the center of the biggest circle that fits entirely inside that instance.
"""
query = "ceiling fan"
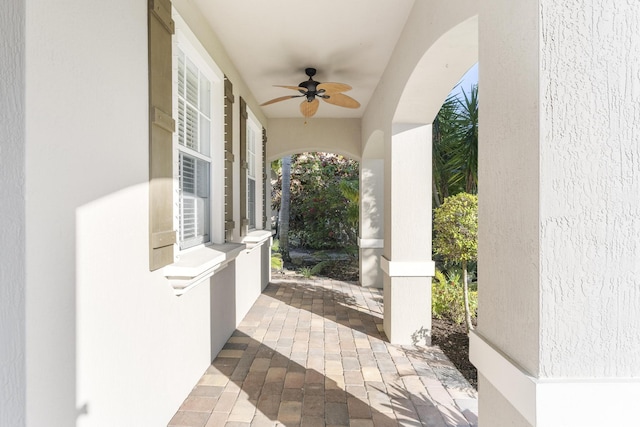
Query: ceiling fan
(312, 90)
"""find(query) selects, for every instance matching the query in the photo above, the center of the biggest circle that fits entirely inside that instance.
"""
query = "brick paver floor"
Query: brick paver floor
(312, 353)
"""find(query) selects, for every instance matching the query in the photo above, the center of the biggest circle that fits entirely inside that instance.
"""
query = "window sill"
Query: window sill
(256, 238)
(194, 267)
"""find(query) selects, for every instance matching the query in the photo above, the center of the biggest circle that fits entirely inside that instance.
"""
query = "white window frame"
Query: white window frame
(254, 164)
(185, 41)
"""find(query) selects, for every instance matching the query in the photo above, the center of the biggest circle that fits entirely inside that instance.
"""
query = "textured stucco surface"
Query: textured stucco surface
(590, 182)
(509, 178)
(12, 215)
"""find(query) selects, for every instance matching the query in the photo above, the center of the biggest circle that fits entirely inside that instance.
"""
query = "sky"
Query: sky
(468, 80)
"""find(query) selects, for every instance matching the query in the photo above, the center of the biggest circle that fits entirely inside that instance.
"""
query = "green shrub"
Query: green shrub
(455, 229)
(276, 261)
(306, 272)
(317, 269)
(447, 297)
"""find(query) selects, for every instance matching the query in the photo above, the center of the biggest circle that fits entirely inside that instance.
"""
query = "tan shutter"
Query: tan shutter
(161, 233)
(265, 186)
(229, 225)
(244, 221)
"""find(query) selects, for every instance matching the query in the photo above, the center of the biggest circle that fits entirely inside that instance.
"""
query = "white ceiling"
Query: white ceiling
(272, 42)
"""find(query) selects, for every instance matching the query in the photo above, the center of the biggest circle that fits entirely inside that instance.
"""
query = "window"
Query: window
(251, 176)
(198, 145)
(194, 149)
(254, 172)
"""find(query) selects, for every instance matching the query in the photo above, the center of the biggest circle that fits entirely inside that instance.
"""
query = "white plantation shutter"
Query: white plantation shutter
(194, 147)
(194, 211)
(251, 177)
(194, 107)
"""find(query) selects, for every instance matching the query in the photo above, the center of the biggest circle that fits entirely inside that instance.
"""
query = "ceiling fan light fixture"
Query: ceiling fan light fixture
(310, 89)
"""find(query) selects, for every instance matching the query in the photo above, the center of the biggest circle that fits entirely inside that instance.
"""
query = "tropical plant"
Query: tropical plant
(443, 141)
(324, 201)
(350, 189)
(464, 159)
(306, 272)
(455, 228)
(447, 296)
(455, 147)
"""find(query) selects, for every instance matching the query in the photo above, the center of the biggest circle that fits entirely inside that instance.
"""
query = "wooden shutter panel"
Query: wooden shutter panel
(229, 225)
(244, 221)
(265, 186)
(161, 234)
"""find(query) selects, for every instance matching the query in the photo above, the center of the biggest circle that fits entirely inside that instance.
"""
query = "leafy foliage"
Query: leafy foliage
(455, 228)
(447, 297)
(455, 146)
(324, 201)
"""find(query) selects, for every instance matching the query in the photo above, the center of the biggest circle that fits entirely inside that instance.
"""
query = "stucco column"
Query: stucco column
(558, 338)
(13, 224)
(406, 261)
(371, 235)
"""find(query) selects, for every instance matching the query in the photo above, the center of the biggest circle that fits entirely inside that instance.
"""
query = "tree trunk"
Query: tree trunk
(434, 189)
(285, 202)
(465, 282)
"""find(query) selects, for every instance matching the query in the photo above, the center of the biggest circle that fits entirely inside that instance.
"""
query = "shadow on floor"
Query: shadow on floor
(289, 363)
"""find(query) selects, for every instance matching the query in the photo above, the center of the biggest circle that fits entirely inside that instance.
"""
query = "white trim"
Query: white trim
(505, 376)
(408, 268)
(370, 243)
(187, 41)
(556, 402)
(256, 238)
(195, 266)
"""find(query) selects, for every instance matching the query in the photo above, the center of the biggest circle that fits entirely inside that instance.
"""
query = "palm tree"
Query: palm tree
(285, 203)
(443, 141)
(464, 157)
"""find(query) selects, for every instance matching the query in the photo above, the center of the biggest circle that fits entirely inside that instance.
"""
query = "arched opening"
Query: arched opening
(315, 214)
(408, 235)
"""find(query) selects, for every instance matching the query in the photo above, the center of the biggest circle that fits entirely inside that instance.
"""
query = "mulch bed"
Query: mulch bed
(454, 342)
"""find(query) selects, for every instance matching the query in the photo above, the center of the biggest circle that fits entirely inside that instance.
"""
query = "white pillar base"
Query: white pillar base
(557, 402)
(407, 310)
(369, 257)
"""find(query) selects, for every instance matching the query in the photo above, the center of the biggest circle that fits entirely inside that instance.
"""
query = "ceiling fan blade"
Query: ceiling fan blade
(308, 109)
(342, 100)
(282, 98)
(331, 88)
(298, 88)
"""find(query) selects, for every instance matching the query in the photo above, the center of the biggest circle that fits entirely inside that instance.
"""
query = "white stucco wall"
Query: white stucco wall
(107, 342)
(428, 22)
(290, 136)
(590, 182)
(508, 253)
(12, 215)
(559, 223)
